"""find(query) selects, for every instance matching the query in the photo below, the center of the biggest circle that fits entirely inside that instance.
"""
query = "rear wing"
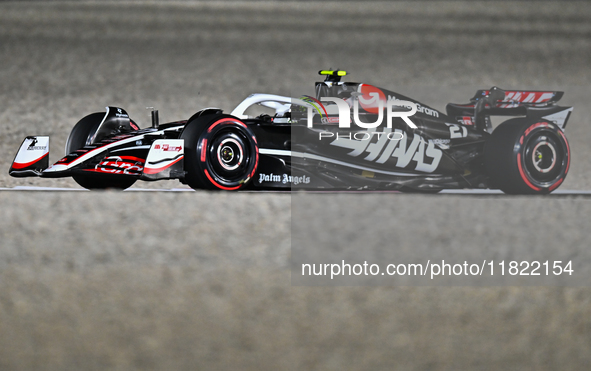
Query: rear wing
(516, 98)
(499, 102)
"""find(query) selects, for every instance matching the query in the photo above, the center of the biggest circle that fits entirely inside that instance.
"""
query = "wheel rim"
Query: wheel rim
(232, 155)
(544, 158)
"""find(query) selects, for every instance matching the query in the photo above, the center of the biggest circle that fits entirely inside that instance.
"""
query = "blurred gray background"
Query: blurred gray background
(200, 280)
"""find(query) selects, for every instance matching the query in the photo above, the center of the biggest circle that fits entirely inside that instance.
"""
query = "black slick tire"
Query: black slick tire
(221, 153)
(525, 156)
(78, 138)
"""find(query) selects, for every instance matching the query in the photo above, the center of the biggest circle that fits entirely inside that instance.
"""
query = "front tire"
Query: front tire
(221, 153)
(80, 136)
(83, 131)
(524, 156)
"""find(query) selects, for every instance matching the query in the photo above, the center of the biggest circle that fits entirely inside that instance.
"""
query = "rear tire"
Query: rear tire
(524, 156)
(221, 153)
(78, 138)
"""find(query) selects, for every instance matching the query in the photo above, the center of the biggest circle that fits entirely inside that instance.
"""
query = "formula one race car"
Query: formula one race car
(349, 136)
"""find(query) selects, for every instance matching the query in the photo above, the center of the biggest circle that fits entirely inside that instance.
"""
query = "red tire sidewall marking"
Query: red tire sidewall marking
(523, 175)
(203, 149)
(256, 164)
(227, 119)
(567, 152)
(520, 167)
(219, 185)
(204, 154)
(559, 182)
(555, 185)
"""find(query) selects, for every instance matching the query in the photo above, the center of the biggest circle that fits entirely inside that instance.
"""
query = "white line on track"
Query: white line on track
(565, 192)
(54, 189)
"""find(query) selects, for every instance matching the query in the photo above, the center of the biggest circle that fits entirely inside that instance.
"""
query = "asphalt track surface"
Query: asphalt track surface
(199, 280)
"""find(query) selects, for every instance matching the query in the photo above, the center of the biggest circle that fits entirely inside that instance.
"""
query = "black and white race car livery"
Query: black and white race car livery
(348, 136)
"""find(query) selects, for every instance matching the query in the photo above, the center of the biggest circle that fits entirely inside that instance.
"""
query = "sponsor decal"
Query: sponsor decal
(37, 148)
(168, 148)
(31, 152)
(276, 178)
(121, 114)
(329, 120)
(374, 100)
(33, 147)
(466, 120)
(424, 153)
(528, 97)
(119, 165)
(420, 108)
(427, 110)
(163, 155)
(442, 143)
(283, 178)
(513, 98)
